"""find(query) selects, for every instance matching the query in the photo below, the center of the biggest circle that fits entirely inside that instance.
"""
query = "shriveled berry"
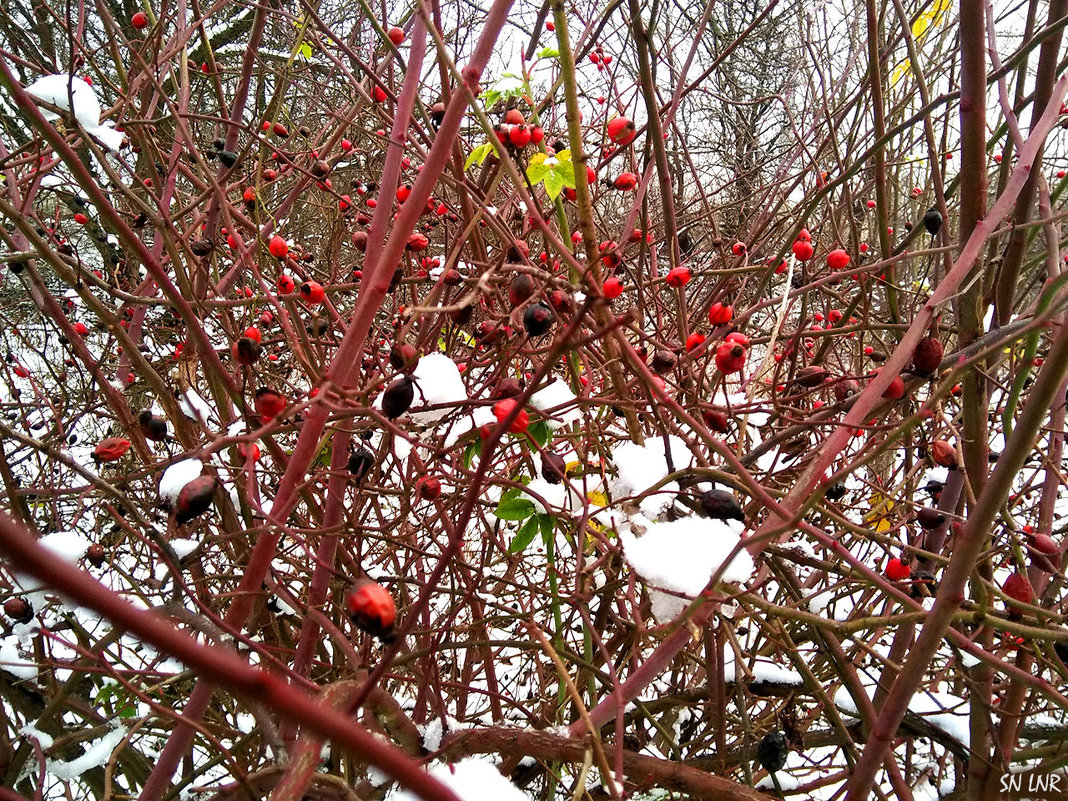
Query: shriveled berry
(553, 467)
(398, 397)
(773, 751)
(520, 289)
(721, 505)
(195, 498)
(927, 357)
(18, 609)
(152, 426)
(929, 518)
(538, 319)
(360, 462)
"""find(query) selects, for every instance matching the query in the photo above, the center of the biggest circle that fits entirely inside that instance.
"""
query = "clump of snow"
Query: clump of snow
(195, 407)
(665, 607)
(70, 546)
(437, 381)
(96, 754)
(183, 547)
(60, 90)
(434, 731)
(763, 671)
(556, 495)
(785, 780)
(639, 467)
(11, 661)
(942, 710)
(682, 555)
(175, 478)
(471, 779)
(556, 401)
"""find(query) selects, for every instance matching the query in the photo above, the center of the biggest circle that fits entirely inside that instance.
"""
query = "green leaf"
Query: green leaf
(566, 170)
(472, 450)
(549, 52)
(478, 155)
(539, 431)
(554, 184)
(536, 170)
(524, 536)
(514, 509)
(490, 97)
(305, 50)
(547, 524)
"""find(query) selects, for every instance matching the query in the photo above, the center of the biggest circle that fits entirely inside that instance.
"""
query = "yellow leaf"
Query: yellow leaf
(900, 71)
(597, 499)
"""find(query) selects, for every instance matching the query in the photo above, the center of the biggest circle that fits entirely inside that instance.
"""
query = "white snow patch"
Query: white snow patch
(176, 476)
(786, 782)
(681, 555)
(942, 710)
(641, 466)
(14, 663)
(556, 402)
(60, 90)
(96, 754)
(183, 547)
(471, 779)
(437, 381)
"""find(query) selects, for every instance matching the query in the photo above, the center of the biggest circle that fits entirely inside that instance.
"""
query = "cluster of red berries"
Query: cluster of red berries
(513, 130)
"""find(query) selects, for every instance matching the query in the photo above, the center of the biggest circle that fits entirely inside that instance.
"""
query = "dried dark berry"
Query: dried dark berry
(361, 462)
(538, 319)
(398, 397)
(194, 499)
(553, 467)
(772, 751)
(721, 505)
(836, 491)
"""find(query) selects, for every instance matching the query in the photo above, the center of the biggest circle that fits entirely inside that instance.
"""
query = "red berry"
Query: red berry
(312, 292)
(896, 390)
(379, 94)
(896, 570)
(1018, 588)
(803, 249)
(503, 408)
(519, 136)
(278, 247)
(286, 285)
(625, 182)
(396, 35)
(694, 341)
(428, 488)
(838, 259)
(139, 20)
(111, 449)
(372, 608)
(80, 218)
(269, 404)
(678, 277)
(621, 130)
(720, 314)
(612, 288)
(730, 357)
